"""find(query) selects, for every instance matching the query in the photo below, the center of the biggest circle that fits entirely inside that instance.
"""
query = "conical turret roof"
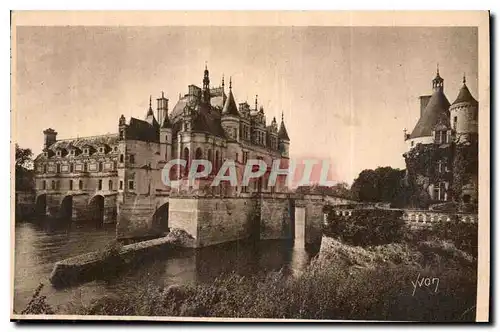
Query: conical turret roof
(282, 133)
(436, 111)
(230, 106)
(464, 96)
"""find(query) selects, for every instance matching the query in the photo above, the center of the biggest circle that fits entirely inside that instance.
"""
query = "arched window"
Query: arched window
(53, 185)
(216, 162)
(70, 184)
(209, 157)
(186, 158)
(44, 185)
(199, 153)
(110, 184)
(121, 158)
(100, 166)
(71, 168)
(80, 184)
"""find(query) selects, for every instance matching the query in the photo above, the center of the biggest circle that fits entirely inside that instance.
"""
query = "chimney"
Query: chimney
(424, 100)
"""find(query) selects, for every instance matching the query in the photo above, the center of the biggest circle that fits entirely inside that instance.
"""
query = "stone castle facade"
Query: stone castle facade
(118, 177)
(442, 156)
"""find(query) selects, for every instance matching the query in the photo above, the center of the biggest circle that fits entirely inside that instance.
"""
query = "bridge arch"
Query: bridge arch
(41, 205)
(96, 210)
(160, 218)
(66, 210)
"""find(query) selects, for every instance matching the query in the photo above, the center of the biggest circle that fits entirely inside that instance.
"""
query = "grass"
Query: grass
(342, 282)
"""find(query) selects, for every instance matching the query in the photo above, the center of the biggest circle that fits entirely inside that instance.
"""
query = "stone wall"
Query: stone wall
(214, 220)
(135, 216)
(276, 217)
(224, 220)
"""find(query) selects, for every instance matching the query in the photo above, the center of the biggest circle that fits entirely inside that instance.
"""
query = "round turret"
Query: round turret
(464, 114)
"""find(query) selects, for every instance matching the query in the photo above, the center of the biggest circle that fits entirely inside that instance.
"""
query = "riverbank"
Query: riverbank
(385, 282)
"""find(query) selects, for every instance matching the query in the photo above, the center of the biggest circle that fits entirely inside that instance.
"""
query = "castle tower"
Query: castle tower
(162, 107)
(50, 137)
(230, 120)
(283, 139)
(434, 122)
(166, 138)
(464, 115)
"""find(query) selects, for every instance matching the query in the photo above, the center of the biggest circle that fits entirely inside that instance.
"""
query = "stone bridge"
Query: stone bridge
(210, 220)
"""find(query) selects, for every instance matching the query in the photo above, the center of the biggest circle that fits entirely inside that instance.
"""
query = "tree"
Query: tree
(24, 173)
(384, 184)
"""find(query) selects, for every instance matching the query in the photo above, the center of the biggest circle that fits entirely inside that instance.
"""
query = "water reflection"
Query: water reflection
(38, 247)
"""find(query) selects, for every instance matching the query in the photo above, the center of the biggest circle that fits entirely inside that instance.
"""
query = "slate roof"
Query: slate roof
(80, 142)
(464, 96)
(282, 133)
(436, 111)
(230, 106)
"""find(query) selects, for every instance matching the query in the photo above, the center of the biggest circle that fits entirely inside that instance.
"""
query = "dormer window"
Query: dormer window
(72, 152)
(46, 154)
(115, 149)
(101, 149)
(440, 137)
(58, 153)
(86, 151)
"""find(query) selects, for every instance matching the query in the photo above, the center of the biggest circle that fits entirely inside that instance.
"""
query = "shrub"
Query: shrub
(367, 227)
(38, 304)
(463, 234)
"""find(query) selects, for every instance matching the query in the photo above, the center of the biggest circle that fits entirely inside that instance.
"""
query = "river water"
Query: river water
(38, 246)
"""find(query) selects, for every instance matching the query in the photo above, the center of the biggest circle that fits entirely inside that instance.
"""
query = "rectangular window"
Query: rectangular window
(70, 184)
(131, 158)
(455, 119)
(99, 186)
(131, 185)
(121, 185)
(443, 137)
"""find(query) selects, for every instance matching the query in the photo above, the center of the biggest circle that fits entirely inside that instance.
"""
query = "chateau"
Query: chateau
(442, 157)
(118, 177)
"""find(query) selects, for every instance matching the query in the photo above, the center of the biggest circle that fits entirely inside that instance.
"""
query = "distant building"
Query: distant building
(119, 175)
(442, 148)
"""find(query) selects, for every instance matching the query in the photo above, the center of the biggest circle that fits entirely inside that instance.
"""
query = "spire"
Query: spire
(206, 85)
(437, 70)
(464, 95)
(230, 106)
(256, 97)
(282, 133)
(150, 110)
(222, 82)
(230, 83)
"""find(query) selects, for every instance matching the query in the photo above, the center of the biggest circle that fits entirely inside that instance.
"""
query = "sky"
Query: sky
(346, 93)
